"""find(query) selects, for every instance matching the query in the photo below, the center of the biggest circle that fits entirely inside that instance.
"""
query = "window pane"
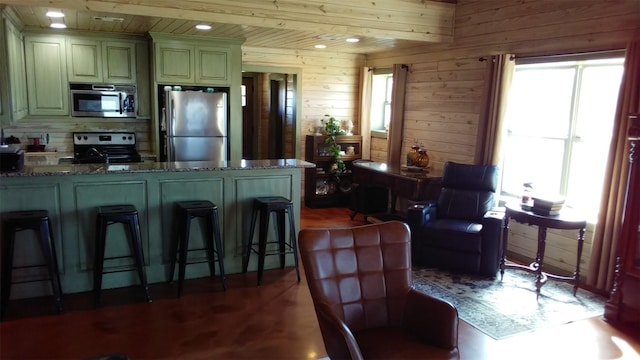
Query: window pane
(537, 108)
(378, 99)
(597, 103)
(532, 160)
(387, 116)
(586, 175)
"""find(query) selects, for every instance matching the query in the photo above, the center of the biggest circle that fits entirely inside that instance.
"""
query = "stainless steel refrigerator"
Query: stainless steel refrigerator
(195, 124)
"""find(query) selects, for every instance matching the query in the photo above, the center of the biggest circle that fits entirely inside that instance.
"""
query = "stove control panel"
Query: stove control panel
(104, 138)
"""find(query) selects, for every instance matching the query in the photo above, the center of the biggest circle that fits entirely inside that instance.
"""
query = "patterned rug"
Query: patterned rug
(504, 308)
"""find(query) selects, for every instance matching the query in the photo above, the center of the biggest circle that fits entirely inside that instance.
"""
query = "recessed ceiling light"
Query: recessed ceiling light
(108, 18)
(353, 40)
(320, 46)
(58, 26)
(54, 14)
(203, 27)
(328, 37)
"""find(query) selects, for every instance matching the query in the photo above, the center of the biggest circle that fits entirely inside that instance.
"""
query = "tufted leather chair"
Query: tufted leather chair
(361, 284)
(460, 232)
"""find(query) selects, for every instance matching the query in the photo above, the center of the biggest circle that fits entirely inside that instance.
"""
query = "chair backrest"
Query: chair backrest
(468, 191)
(362, 273)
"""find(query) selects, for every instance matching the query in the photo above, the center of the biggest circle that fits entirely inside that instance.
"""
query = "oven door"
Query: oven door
(93, 103)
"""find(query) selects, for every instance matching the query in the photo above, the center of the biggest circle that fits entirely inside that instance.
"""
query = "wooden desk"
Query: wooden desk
(416, 186)
(566, 220)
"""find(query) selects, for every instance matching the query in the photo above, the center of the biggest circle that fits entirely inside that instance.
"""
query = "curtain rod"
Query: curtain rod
(572, 57)
(482, 58)
(403, 66)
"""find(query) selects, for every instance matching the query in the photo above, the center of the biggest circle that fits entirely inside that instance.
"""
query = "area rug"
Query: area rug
(505, 308)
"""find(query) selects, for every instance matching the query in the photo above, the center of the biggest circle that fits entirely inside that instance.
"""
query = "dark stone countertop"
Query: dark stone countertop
(147, 167)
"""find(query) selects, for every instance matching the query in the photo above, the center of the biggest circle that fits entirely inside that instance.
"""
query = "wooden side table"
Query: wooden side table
(565, 220)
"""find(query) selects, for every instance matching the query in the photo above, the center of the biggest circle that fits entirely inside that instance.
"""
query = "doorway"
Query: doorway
(270, 114)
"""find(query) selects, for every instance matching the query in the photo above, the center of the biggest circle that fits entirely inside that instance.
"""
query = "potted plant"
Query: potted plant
(332, 129)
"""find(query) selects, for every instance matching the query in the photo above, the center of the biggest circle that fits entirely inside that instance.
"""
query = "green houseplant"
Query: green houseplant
(332, 129)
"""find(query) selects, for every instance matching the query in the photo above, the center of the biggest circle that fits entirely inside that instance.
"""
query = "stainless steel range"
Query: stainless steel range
(105, 147)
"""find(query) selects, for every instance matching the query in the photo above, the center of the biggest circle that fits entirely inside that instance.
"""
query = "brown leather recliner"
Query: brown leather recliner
(361, 284)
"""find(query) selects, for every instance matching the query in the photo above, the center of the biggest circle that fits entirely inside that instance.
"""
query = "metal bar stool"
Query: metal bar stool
(186, 211)
(108, 215)
(37, 220)
(265, 206)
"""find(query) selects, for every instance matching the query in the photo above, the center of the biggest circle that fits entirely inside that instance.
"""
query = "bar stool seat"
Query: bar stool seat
(264, 207)
(127, 215)
(37, 220)
(185, 212)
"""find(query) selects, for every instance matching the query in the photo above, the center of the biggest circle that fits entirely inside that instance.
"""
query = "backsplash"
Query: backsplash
(61, 132)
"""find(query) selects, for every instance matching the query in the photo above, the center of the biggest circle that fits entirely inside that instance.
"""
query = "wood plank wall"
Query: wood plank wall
(330, 82)
(290, 116)
(445, 81)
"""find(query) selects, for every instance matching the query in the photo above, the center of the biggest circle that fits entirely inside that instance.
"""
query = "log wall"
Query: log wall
(330, 83)
(445, 82)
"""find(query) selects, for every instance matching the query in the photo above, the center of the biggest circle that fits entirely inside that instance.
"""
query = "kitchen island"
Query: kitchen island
(71, 193)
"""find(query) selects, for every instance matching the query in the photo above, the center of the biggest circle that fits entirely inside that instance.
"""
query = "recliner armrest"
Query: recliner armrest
(420, 214)
(493, 220)
(433, 320)
(492, 241)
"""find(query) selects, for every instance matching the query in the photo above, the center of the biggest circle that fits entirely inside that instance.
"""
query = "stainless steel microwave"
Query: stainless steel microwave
(102, 100)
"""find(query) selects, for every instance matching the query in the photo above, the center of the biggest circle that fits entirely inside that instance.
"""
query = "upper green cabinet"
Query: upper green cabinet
(175, 62)
(17, 72)
(212, 65)
(119, 61)
(193, 62)
(84, 60)
(47, 84)
(101, 61)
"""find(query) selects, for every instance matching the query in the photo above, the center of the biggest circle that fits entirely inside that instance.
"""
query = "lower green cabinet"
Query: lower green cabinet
(72, 202)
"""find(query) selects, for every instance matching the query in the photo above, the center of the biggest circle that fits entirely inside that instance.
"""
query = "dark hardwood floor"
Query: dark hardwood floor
(273, 321)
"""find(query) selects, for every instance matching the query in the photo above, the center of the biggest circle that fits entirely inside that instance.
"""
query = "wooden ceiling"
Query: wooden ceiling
(289, 24)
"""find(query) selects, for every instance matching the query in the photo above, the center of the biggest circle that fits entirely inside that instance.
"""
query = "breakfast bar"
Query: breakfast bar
(71, 193)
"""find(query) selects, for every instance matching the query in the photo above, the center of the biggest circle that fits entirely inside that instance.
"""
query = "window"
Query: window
(381, 86)
(559, 120)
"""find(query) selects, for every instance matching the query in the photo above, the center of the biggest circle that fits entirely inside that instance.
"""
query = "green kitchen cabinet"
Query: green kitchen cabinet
(185, 60)
(47, 85)
(143, 77)
(84, 60)
(212, 65)
(175, 63)
(4, 88)
(17, 72)
(16, 103)
(72, 193)
(119, 62)
(101, 61)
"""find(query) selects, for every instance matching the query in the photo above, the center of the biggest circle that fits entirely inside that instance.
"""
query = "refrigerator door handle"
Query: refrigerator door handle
(168, 99)
(169, 148)
(169, 112)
